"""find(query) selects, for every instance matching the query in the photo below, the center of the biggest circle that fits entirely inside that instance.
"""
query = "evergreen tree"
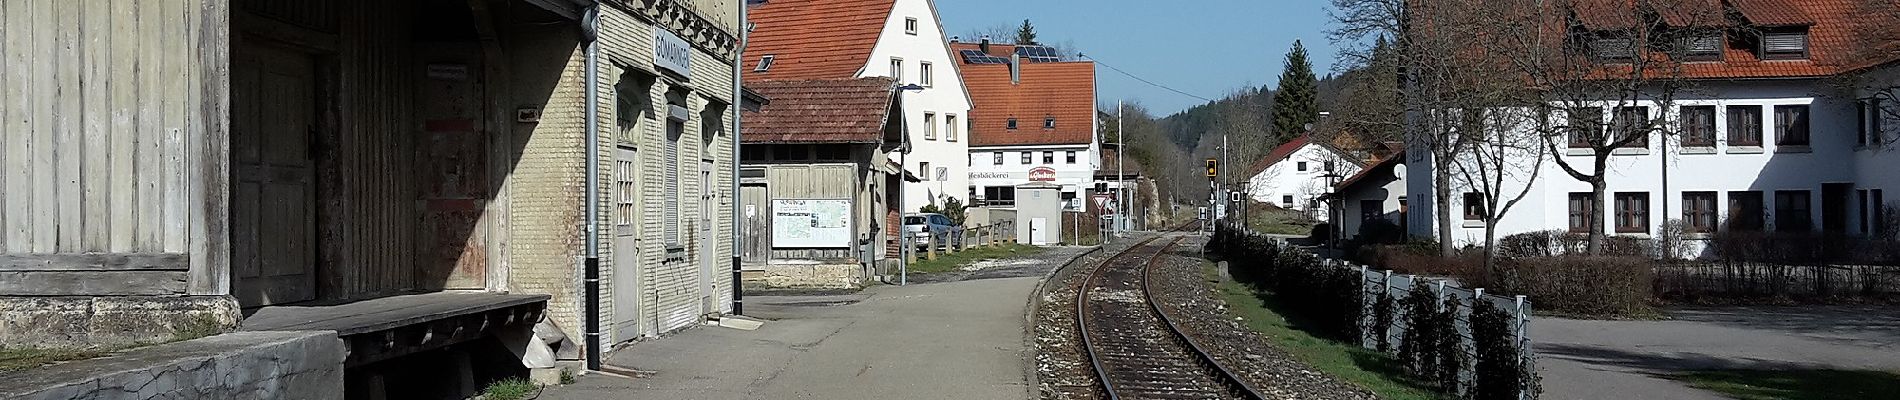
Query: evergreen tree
(1296, 103)
(1026, 34)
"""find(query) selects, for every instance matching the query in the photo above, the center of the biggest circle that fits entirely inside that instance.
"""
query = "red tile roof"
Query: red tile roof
(814, 39)
(821, 111)
(1390, 160)
(1838, 33)
(1064, 90)
(1278, 154)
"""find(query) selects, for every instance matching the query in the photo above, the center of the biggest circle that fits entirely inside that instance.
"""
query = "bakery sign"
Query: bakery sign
(1042, 174)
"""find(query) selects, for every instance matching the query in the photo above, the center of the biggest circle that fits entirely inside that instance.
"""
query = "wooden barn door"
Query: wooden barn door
(757, 243)
(273, 212)
(452, 162)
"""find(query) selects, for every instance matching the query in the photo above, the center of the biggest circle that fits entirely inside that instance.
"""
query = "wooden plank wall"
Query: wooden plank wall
(815, 181)
(102, 110)
(367, 200)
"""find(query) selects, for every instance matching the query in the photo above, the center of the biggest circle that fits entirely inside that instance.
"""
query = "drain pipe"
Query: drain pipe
(590, 268)
(738, 110)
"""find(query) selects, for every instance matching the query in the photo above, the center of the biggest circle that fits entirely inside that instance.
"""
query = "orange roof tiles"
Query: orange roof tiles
(821, 111)
(1278, 154)
(814, 39)
(1063, 90)
(1838, 31)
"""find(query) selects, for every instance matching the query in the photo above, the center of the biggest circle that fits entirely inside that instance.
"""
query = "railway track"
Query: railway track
(1135, 347)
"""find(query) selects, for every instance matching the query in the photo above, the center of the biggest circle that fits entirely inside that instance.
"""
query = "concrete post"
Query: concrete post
(930, 246)
(910, 246)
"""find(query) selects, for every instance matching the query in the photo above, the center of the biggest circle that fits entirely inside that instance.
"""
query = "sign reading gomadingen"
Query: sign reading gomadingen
(671, 53)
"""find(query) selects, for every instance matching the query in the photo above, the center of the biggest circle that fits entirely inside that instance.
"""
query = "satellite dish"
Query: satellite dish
(1398, 171)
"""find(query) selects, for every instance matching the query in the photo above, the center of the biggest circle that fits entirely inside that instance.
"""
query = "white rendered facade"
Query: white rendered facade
(1298, 181)
(936, 116)
(1009, 166)
(1835, 175)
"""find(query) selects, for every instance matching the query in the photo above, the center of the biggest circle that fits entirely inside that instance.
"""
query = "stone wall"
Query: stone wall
(96, 322)
(242, 365)
(804, 276)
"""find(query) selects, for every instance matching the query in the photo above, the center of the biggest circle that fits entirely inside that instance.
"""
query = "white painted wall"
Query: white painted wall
(945, 97)
(1381, 186)
(1831, 158)
(1077, 177)
(1285, 178)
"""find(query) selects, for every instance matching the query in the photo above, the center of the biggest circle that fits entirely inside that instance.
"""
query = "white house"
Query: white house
(1297, 174)
(1034, 121)
(1787, 143)
(900, 39)
(1375, 193)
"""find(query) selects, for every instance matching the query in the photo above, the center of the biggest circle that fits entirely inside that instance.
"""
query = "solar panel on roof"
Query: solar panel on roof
(1039, 53)
(979, 57)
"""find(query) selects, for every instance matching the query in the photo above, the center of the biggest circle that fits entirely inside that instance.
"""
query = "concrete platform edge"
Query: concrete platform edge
(1029, 322)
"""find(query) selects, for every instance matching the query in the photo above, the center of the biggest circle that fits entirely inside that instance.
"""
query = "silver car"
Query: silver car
(922, 226)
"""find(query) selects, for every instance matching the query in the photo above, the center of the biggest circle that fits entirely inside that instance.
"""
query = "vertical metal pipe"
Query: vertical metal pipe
(1121, 177)
(591, 265)
(738, 110)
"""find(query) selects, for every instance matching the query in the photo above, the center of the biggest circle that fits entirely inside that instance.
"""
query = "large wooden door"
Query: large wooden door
(273, 216)
(758, 223)
(628, 280)
(452, 166)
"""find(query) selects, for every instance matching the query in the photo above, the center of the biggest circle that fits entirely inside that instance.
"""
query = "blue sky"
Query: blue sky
(1204, 47)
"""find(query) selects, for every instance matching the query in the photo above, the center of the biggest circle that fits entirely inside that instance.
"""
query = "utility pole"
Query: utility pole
(1121, 178)
(1225, 200)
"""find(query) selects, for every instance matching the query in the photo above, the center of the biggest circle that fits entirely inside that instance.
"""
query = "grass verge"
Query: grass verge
(510, 389)
(951, 262)
(1797, 384)
(21, 359)
(1369, 369)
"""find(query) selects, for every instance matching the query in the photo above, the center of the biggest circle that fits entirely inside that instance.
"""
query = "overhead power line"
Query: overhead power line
(1149, 82)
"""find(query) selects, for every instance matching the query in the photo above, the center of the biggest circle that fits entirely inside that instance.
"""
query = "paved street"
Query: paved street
(1584, 359)
(953, 340)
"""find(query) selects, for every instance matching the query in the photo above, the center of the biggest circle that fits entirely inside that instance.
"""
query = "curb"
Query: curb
(1029, 322)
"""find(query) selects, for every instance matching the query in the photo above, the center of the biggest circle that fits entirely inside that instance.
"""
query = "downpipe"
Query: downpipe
(738, 111)
(590, 266)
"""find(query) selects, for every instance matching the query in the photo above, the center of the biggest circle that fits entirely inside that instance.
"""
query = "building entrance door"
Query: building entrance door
(273, 208)
(628, 279)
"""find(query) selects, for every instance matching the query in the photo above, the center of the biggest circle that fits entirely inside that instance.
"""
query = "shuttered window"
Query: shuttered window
(1612, 48)
(675, 129)
(1784, 45)
(1703, 47)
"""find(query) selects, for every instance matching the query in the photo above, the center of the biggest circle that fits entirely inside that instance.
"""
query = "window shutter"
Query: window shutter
(1785, 43)
(1706, 44)
(1611, 48)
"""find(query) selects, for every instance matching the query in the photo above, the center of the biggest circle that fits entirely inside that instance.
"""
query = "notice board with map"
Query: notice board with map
(811, 223)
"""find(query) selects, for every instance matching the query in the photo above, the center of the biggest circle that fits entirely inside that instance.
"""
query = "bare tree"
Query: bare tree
(1877, 28)
(1588, 60)
(1500, 159)
(1433, 43)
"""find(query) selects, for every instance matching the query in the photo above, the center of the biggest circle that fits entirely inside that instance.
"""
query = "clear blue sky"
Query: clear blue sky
(1204, 47)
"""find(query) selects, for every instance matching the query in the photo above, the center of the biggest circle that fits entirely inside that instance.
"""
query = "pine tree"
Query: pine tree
(1026, 34)
(1296, 103)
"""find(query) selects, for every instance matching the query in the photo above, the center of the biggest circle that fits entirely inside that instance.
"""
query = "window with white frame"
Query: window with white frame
(910, 25)
(1070, 156)
(930, 126)
(996, 158)
(950, 127)
(765, 63)
(897, 69)
(926, 75)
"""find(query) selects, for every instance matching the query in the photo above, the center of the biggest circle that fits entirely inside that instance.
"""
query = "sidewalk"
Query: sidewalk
(959, 340)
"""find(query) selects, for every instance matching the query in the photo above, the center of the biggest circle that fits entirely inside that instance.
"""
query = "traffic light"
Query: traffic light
(1213, 168)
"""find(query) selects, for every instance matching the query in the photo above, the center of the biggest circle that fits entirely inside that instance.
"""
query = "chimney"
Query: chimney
(956, 39)
(1015, 69)
(985, 44)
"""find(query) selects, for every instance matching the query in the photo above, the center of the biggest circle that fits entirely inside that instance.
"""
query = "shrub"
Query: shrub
(1580, 284)
(1561, 243)
(1502, 370)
